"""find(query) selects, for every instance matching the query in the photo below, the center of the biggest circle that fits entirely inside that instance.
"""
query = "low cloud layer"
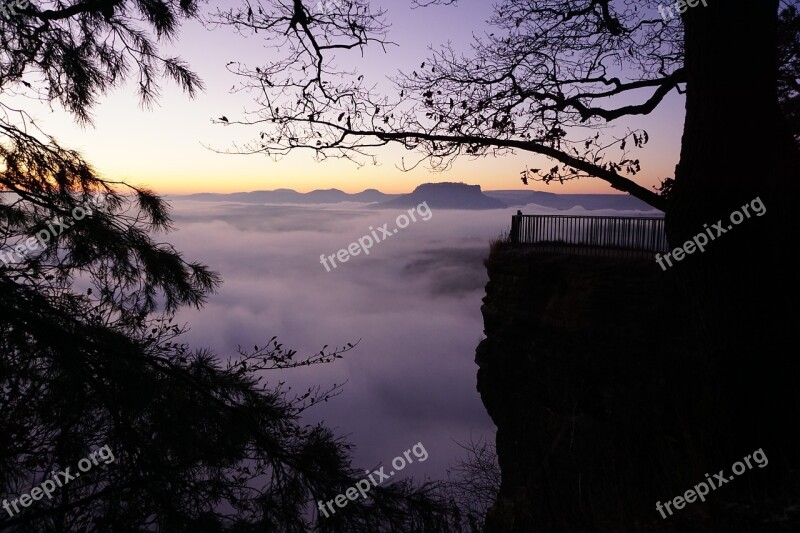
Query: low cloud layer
(413, 302)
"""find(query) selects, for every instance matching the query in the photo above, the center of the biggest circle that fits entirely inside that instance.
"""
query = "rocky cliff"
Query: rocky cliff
(601, 399)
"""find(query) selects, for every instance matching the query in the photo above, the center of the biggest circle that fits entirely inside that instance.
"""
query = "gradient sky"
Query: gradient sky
(166, 147)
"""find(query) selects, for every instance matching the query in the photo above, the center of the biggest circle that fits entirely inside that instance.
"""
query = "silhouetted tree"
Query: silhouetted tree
(473, 483)
(524, 88)
(549, 76)
(89, 354)
(789, 73)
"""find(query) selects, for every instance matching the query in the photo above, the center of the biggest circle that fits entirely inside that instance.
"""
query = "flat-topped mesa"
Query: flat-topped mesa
(447, 196)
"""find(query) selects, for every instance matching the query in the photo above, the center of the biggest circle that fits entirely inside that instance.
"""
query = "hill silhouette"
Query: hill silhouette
(447, 196)
(289, 196)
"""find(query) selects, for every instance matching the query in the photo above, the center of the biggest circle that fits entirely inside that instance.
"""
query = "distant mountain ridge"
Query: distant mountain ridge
(445, 195)
(289, 196)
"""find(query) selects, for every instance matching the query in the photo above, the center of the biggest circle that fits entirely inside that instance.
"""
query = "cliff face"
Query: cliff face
(595, 375)
(589, 377)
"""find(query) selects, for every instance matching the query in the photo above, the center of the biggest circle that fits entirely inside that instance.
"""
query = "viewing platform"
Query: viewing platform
(592, 235)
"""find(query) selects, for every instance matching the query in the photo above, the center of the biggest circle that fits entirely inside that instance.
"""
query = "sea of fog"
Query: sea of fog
(413, 303)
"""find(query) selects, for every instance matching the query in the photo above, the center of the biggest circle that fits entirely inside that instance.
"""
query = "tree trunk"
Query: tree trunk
(736, 147)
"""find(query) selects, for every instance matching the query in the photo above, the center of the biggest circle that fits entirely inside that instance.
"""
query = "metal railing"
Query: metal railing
(634, 234)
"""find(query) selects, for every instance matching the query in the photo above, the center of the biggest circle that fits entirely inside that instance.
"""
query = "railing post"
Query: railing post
(515, 225)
